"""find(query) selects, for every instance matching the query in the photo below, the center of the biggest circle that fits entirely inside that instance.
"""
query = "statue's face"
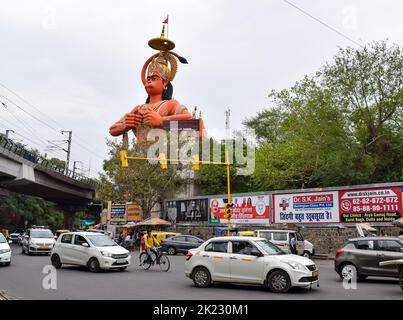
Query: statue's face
(154, 84)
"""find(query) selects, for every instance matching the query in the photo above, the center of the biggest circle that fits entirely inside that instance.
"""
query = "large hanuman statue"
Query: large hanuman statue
(157, 74)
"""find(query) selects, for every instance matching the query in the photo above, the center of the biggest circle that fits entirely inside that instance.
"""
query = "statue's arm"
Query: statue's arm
(128, 122)
(177, 111)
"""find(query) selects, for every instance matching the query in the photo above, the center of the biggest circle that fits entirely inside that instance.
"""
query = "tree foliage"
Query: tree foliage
(143, 183)
(340, 127)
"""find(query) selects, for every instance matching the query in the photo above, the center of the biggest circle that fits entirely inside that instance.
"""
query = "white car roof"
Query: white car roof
(83, 233)
(237, 238)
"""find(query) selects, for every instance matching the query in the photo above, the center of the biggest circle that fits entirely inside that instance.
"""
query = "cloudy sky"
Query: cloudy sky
(76, 64)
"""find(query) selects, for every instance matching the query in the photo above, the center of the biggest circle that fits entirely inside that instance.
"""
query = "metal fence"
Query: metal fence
(19, 150)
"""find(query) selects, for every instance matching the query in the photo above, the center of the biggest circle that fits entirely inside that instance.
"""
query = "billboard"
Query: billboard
(371, 205)
(118, 211)
(192, 210)
(134, 212)
(310, 207)
(246, 210)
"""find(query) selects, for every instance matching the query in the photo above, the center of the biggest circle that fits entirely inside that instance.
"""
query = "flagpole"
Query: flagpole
(167, 26)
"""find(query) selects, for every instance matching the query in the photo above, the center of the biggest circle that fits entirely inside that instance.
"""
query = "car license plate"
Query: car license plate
(315, 273)
(44, 248)
(121, 261)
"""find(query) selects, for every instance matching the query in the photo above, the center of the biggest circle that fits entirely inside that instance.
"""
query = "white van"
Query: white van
(281, 238)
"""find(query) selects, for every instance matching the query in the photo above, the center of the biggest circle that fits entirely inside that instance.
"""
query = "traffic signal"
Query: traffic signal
(123, 158)
(228, 210)
(195, 162)
(163, 161)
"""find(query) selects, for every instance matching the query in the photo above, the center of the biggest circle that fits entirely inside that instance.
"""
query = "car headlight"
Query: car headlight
(5, 251)
(106, 254)
(294, 265)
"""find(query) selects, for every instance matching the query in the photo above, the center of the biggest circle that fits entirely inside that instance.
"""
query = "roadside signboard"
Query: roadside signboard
(134, 212)
(310, 207)
(118, 211)
(246, 210)
(183, 211)
(371, 205)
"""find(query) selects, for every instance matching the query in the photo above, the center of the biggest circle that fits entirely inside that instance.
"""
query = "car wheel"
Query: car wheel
(171, 251)
(93, 265)
(348, 271)
(306, 254)
(201, 277)
(279, 282)
(55, 259)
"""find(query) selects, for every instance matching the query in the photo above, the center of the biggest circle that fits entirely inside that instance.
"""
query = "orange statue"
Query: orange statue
(161, 69)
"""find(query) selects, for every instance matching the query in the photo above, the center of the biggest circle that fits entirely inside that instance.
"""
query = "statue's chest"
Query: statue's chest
(157, 107)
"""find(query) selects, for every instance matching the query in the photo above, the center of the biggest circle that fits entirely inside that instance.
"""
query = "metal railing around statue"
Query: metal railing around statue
(19, 150)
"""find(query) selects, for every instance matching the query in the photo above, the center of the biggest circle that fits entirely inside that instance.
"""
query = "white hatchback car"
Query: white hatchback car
(249, 260)
(93, 250)
(5, 250)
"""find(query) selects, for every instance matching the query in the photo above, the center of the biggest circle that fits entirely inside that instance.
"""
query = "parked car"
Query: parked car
(5, 250)
(361, 257)
(180, 244)
(14, 236)
(249, 260)
(91, 249)
(38, 240)
(282, 238)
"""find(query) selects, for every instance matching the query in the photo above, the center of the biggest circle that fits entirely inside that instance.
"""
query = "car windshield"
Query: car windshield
(269, 248)
(41, 234)
(101, 240)
(2, 239)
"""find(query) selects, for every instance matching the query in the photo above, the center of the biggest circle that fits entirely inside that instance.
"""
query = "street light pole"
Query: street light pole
(68, 147)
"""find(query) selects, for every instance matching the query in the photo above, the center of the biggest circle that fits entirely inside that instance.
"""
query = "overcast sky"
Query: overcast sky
(79, 62)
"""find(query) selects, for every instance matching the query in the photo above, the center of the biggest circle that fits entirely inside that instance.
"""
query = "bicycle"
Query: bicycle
(161, 259)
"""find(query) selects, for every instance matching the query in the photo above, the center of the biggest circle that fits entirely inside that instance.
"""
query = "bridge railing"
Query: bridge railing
(19, 150)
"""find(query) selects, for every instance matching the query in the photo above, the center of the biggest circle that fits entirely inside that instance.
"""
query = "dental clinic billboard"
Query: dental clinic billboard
(371, 205)
(312, 207)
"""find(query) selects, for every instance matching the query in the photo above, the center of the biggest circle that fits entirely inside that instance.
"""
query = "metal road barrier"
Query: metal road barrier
(19, 150)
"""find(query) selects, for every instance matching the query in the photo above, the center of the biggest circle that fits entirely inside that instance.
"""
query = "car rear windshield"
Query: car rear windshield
(41, 234)
(269, 248)
(101, 240)
(2, 239)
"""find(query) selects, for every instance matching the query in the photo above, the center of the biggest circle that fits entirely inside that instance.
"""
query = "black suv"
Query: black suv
(360, 257)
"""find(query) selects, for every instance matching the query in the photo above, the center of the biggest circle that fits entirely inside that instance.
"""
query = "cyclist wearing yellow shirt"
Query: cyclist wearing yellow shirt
(150, 244)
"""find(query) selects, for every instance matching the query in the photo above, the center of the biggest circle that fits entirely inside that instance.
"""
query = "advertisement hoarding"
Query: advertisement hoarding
(192, 210)
(312, 207)
(134, 212)
(246, 210)
(371, 205)
(118, 211)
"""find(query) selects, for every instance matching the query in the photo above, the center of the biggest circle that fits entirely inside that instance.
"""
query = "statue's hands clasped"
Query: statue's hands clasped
(153, 118)
(131, 121)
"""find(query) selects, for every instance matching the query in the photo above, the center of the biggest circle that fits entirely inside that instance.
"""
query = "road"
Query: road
(23, 280)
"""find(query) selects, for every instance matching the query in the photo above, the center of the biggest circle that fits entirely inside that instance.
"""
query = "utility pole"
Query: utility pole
(68, 147)
(7, 131)
(227, 123)
(74, 166)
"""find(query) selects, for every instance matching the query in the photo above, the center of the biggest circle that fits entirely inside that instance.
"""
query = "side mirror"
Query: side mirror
(85, 244)
(256, 253)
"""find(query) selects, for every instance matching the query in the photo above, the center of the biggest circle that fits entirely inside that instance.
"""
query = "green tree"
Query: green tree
(143, 183)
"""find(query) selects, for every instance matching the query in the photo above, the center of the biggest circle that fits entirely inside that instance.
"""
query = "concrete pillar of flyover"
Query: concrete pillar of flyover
(68, 219)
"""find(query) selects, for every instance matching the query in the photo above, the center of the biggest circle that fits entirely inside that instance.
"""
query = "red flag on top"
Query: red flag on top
(166, 20)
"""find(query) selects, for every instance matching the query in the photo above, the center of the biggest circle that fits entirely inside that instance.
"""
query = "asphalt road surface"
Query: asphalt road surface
(24, 280)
